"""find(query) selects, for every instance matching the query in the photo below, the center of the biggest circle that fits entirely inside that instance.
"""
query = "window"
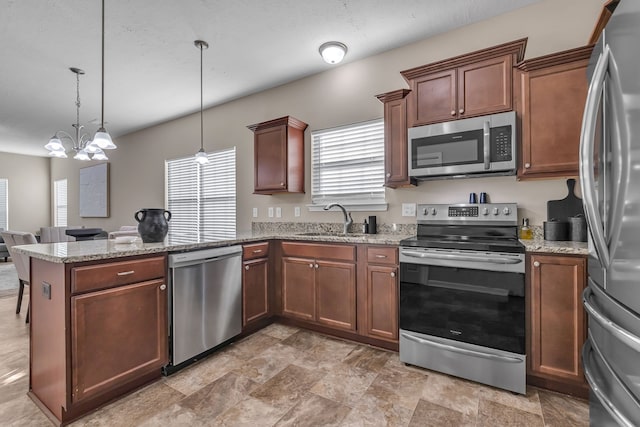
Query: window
(347, 166)
(60, 200)
(4, 204)
(202, 198)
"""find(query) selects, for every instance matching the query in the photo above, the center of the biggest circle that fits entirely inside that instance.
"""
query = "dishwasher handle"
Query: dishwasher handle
(203, 256)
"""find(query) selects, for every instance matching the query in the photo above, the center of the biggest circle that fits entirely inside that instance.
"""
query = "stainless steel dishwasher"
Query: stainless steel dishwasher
(205, 302)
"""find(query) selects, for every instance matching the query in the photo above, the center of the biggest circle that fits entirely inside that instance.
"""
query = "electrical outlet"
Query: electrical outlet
(278, 212)
(408, 209)
(270, 212)
(46, 290)
(296, 211)
(255, 212)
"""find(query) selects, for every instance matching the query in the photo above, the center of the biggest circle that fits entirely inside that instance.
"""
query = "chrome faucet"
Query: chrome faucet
(347, 216)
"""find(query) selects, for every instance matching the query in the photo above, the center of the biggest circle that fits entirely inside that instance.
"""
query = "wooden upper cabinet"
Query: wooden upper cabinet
(396, 168)
(279, 156)
(552, 94)
(468, 85)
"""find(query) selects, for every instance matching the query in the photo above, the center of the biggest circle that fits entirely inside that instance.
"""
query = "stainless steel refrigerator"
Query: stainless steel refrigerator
(610, 179)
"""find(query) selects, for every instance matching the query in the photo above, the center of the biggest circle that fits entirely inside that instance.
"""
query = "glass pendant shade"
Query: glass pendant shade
(59, 154)
(201, 157)
(92, 148)
(333, 52)
(82, 155)
(103, 140)
(99, 155)
(54, 144)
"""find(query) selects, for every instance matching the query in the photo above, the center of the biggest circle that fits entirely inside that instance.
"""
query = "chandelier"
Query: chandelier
(83, 147)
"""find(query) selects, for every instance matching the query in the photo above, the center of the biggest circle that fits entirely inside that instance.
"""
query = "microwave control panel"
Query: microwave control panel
(501, 144)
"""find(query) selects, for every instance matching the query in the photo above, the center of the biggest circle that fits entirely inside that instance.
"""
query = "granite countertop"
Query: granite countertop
(91, 250)
(555, 247)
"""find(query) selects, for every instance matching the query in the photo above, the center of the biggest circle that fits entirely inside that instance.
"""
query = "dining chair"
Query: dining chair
(20, 261)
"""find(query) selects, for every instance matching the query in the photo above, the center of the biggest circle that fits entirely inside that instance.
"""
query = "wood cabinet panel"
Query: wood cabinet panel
(298, 288)
(255, 250)
(279, 156)
(336, 294)
(117, 335)
(485, 87)
(434, 98)
(100, 276)
(382, 302)
(557, 322)
(553, 91)
(255, 290)
(382, 255)
(319, 250)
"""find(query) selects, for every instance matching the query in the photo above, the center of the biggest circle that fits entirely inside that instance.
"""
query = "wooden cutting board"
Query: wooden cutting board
(567, 207)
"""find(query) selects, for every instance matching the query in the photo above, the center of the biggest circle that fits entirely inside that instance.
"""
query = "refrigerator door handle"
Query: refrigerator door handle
(622, 334)
(587, 147)
(595, 386)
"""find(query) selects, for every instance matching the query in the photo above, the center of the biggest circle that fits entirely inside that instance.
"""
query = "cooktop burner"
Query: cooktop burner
(478, 227)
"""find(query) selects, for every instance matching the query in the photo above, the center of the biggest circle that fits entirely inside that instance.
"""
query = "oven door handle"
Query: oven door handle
(456, 257)
(467, 352)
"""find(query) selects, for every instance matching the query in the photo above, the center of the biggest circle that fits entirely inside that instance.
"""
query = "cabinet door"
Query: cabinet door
(382, 302)
(553, 101)
(433, 98)
(255, 294)
(298, 291)
(270, 151)
(485, 87)
(557, 320)
(117, 335)
(396, 144)
(336, 294)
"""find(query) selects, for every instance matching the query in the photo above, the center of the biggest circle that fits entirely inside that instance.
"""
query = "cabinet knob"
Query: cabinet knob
(282, 184)
(310, 265)
(388, 175)
(453, 112)
(461, 111)
(317, 266)
(246, 267)
(163, 287)
(527, 165)
(393, 274)
(536, 263)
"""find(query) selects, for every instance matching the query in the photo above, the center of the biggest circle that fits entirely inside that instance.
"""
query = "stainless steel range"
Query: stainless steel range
(462, 287)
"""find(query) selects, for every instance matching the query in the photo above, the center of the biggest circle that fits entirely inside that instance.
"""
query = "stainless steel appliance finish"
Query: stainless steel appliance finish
(462, 308)
(477, 146)
(205, 307)
(609, 175)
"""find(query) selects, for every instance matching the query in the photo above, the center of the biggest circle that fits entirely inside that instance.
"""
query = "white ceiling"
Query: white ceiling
(152, 68)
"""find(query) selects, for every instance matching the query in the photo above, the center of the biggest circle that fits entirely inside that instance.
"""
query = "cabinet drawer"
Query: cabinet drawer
(93, 277)
(257, 250)
(382, 255)
(319, 250)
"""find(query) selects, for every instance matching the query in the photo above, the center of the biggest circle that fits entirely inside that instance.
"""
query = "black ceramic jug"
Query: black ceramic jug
(153, 224)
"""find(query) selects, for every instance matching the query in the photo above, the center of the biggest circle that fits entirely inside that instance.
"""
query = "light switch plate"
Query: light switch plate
(408, 209)
(296, 211)
(270, 212)
(278, 212)
(46, 290)
(255, 212)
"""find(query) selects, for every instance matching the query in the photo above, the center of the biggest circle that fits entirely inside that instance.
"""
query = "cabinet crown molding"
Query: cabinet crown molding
(286, 120)
(516, 47)
(557, 58)
(393, 95)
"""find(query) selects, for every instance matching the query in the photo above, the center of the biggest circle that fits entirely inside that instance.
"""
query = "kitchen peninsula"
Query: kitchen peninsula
(99, 310)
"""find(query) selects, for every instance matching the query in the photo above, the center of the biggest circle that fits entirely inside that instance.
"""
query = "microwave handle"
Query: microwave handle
(487, 145)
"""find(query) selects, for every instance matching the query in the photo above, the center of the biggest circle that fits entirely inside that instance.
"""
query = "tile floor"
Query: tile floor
(284, 376)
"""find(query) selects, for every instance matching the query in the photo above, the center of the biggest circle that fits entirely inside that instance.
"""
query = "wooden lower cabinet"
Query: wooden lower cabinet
(298, 288)
(382, 302)
(92, 346)
(336, 294)
(557, 325)
(255, 290)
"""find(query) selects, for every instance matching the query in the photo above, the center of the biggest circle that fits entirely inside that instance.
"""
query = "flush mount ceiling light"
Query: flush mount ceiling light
(84, 148)
(333, 52)
(201, 156)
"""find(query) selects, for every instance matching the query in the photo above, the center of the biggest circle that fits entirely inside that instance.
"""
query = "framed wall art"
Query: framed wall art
(94, 191)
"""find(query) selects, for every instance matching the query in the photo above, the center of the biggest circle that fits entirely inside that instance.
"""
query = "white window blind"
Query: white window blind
(60, 200)
(348, 164)
(202, 198)
(4, 204)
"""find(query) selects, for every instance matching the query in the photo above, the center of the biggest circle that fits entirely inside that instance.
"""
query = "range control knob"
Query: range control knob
(424, 211)
(433, 211)
(485, 211)
(496, 211)
(506, 211)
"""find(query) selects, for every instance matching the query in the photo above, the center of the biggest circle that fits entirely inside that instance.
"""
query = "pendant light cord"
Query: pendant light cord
(201, 104)
(102, 115)
(77, 125)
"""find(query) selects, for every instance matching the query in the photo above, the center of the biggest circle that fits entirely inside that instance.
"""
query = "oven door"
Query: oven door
(467, 296)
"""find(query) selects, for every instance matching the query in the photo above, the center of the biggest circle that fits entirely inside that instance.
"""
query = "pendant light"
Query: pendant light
(102, 139)
(201, 156)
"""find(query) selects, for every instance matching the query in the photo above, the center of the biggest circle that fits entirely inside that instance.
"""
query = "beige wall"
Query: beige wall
(341, 95)
(29, 190)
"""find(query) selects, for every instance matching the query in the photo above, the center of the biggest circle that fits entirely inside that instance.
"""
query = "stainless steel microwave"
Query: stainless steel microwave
(478, 146)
